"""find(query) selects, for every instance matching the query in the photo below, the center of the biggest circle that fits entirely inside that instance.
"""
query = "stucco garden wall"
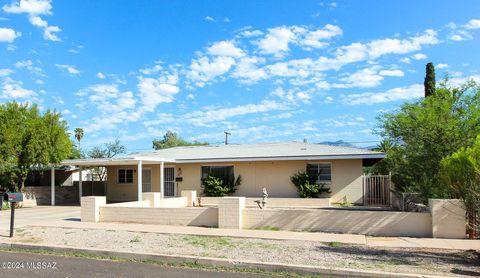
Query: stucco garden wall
(188, 216)
(376, 223)
(275, 202)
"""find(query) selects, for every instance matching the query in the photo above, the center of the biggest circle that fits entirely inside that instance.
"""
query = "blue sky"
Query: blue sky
(265, 70)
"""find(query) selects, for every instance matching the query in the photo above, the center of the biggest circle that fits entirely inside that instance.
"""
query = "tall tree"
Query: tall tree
(109, 150)
(79, 135)
(29, 139)
(171, 139)
(426, 131)
(461, 171)
(429, 82)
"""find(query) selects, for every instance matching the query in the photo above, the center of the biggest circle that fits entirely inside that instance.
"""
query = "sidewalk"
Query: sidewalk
(279, 235)
(69, 217)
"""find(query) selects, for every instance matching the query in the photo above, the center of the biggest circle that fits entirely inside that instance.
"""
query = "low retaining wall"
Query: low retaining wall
(275, 202)
(376, 223)
(188, 216)
(446, 217)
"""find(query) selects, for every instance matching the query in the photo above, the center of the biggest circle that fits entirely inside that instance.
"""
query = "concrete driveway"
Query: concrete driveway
(41, 215)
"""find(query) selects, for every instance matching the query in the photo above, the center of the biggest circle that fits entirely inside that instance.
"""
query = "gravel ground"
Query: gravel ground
(406, 260)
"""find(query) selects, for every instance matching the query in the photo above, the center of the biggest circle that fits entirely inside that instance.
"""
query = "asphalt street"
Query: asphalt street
(22, 265)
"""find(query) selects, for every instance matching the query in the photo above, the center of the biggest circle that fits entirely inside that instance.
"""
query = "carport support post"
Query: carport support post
(162, 187)
(139, 181)
(52, 184)
(80, 186)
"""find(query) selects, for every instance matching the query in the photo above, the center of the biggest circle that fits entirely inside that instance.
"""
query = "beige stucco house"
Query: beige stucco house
(268, 165)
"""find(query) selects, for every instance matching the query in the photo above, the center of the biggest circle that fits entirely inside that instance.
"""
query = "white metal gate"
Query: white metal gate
(377, 190)
(169, 181)
(146, 180)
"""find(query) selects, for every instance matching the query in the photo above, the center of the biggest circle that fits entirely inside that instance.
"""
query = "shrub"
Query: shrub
(307, 186)
(217, 187)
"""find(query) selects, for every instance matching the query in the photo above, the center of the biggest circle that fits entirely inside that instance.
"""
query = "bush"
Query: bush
(307, 186)
(216, 187)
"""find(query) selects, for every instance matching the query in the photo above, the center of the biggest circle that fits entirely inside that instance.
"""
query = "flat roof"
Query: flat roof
(233, 153)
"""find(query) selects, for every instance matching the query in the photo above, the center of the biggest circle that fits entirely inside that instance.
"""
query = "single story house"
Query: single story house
(268, 165)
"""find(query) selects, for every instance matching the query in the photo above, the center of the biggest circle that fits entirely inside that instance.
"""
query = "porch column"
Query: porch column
(162, 187)
(52, 184)
(80, 186)
(139, 180)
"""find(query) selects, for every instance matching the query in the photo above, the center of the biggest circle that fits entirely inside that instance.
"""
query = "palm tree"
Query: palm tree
(79, 135)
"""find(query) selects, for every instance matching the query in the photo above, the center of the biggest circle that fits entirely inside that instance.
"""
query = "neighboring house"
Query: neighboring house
(268, 165)
(42, 177)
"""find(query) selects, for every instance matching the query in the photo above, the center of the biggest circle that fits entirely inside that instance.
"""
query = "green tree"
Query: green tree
(426, 131)
(109, 150)
(461, 172)
(429, 82)
(79, 135)
(217, 187)
(171, 139)
(29, 139)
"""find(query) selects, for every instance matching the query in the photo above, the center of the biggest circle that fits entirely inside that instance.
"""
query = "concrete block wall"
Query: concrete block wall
(375, 223)
(230, 212)
(275, 202)
(153, 198)
(90, 209)
(448, 218)
(206, 217)
(191, 196)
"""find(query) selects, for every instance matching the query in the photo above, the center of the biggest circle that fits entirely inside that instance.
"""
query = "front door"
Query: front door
(146, 180)
(169, 181)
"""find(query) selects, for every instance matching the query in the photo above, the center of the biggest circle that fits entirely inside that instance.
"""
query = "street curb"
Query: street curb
(216, 262)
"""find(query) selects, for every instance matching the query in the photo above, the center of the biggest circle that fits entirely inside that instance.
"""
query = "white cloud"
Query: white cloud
(328, 99)
(5, 72)
(247, 70)
(49, 33)
(151, 70)
(209, 18)
(277, 40)
(251, 33)
(398, 73)
(32, 7)
(28, 64)
(401, 93)
(405, 60)
(155, 91)
(203, 70)
(473, 24)
(364, 78)
(100, 75)
(190, 96)
(72, 70)
(225, 48)
(316, 38)
(201, 118)
(356, 52)
(442, 66)
(419, 56)
(12, 89)
(8, 35)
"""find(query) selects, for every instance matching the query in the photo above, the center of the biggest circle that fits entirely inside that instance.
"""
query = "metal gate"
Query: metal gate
(377, 190)
(169, 181)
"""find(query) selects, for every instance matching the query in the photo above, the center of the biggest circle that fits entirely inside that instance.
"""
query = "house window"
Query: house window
(322, 172)
(125, 176)
(223, 172)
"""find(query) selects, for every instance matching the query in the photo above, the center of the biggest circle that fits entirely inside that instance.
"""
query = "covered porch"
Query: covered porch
(128, 178)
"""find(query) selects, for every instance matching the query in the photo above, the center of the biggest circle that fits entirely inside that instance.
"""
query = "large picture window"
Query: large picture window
(322, 172)
(223, 172)
(125, 176)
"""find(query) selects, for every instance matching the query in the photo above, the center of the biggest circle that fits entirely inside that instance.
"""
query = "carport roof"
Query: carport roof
(235, 153)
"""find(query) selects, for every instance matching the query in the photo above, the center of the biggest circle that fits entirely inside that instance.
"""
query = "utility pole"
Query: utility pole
(226, 136)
